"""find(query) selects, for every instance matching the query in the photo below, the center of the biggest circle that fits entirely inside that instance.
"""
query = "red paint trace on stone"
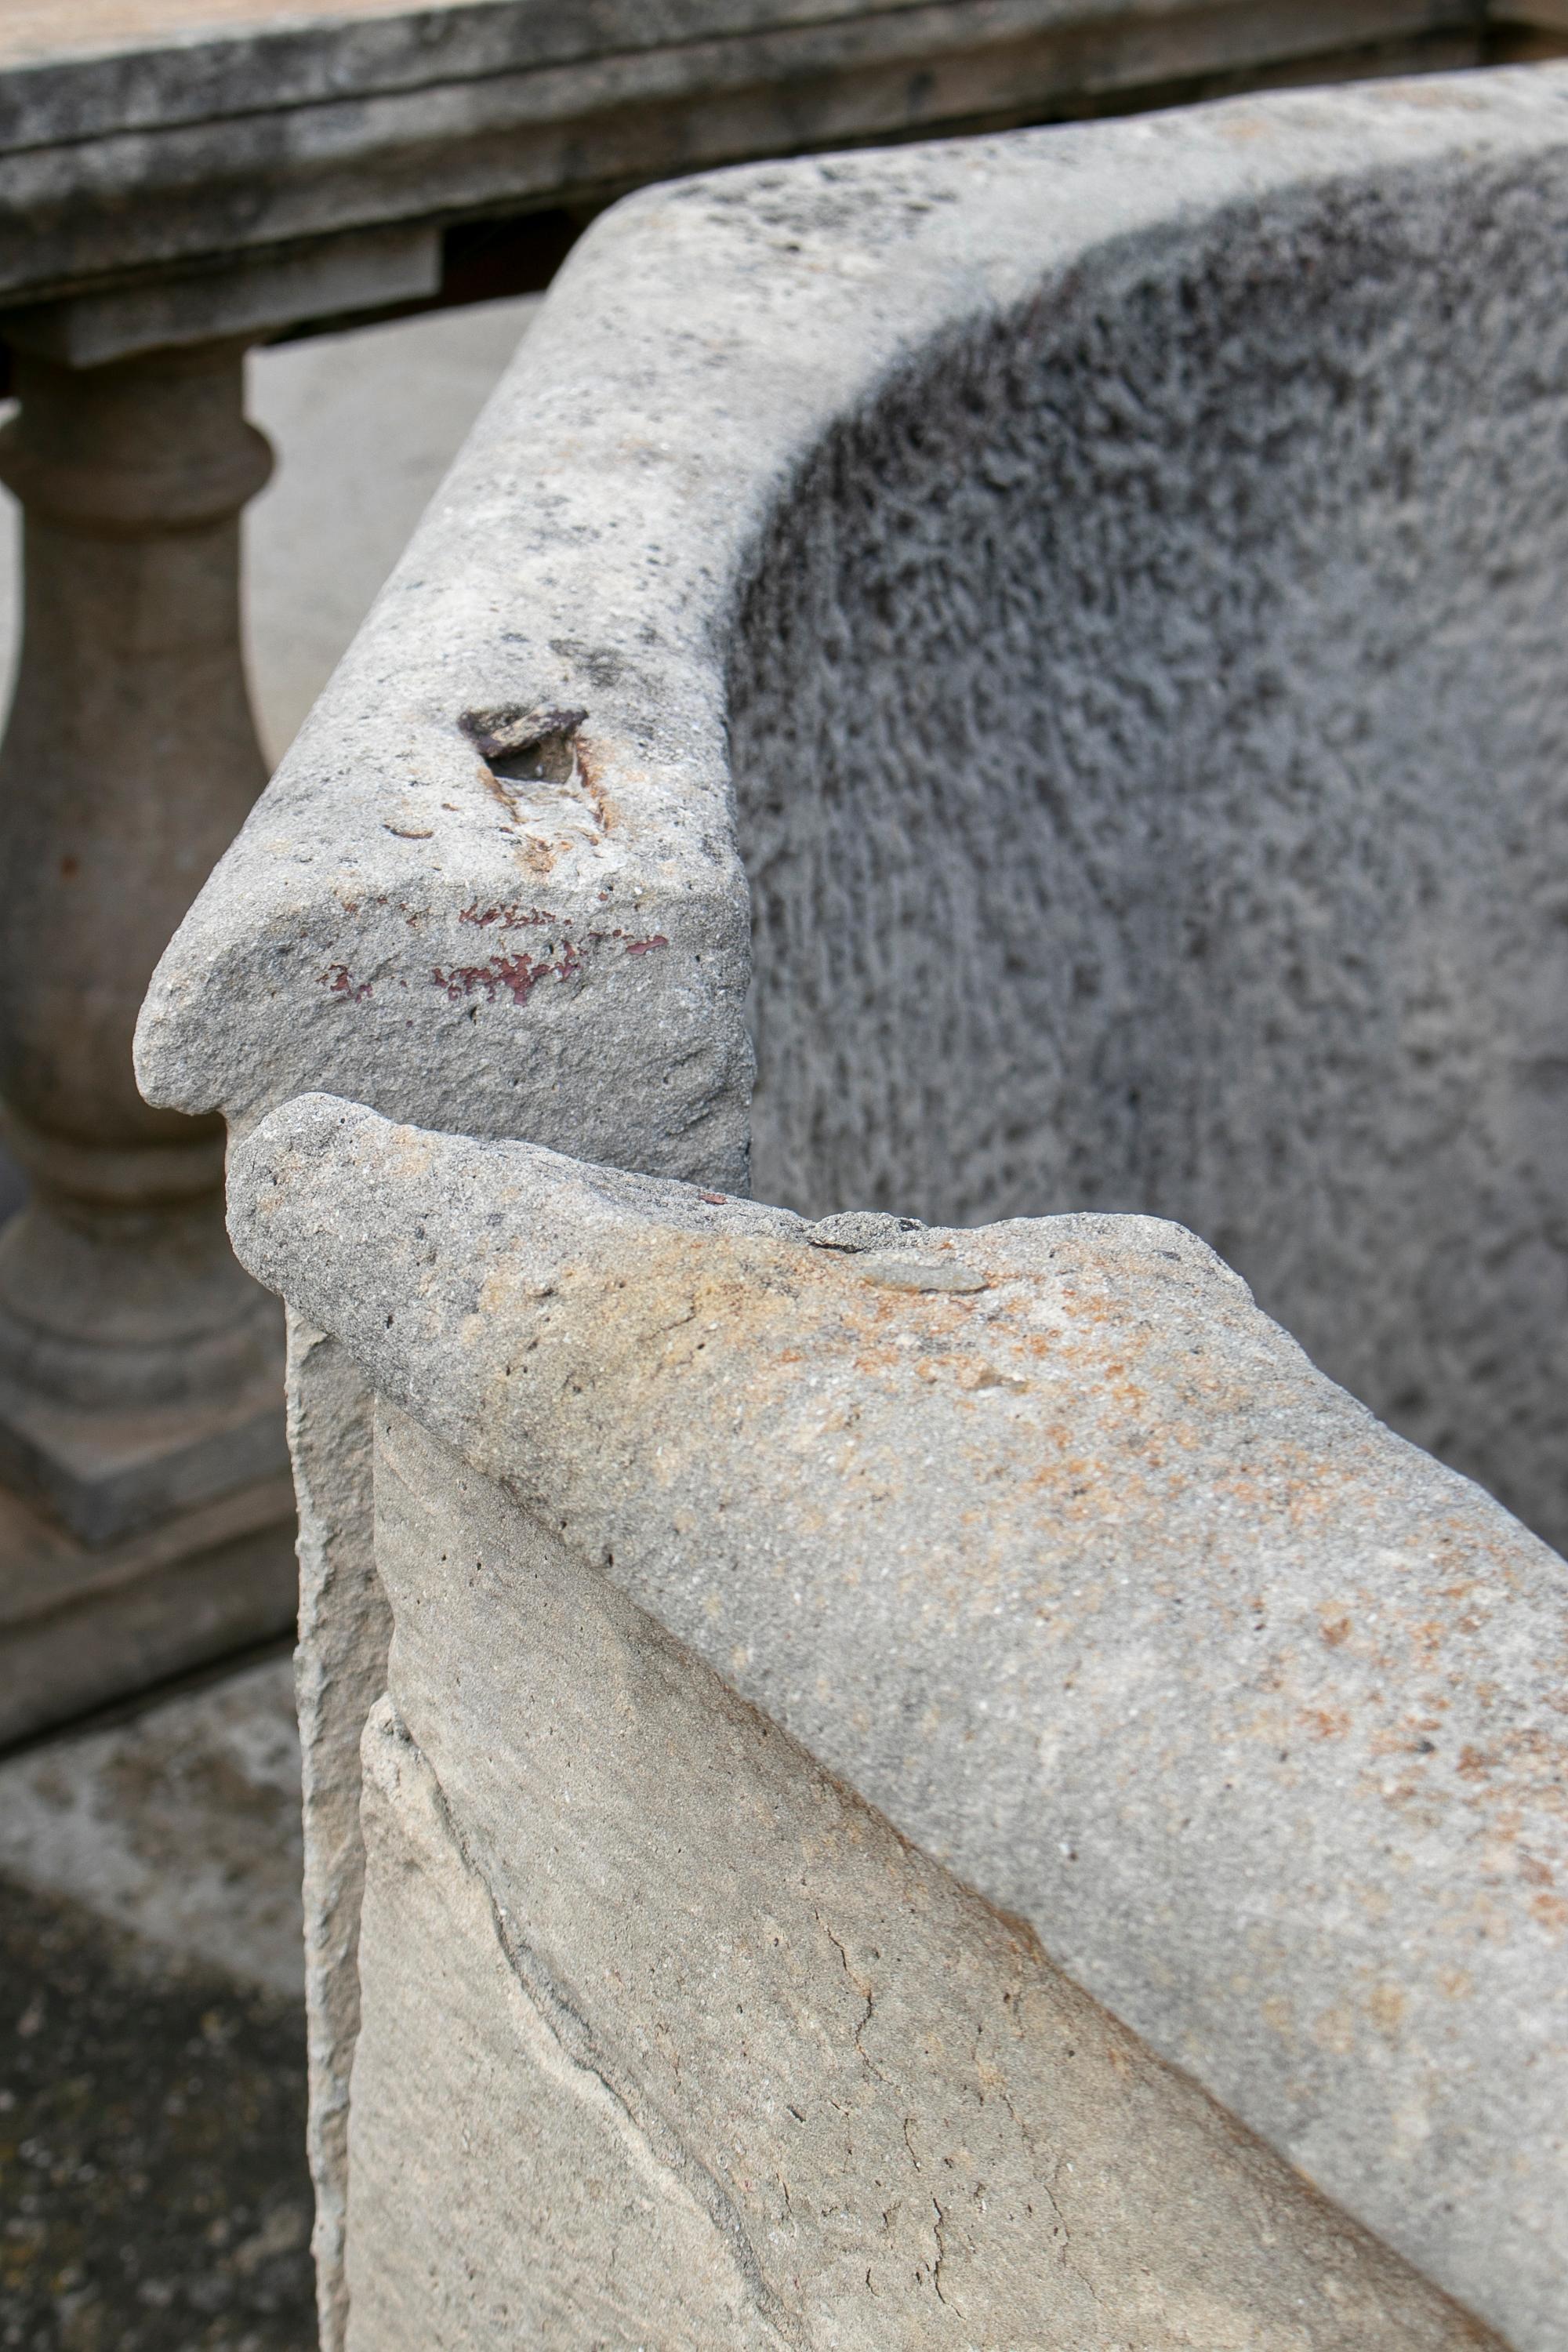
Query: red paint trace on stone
(341, 981)
(515, 975)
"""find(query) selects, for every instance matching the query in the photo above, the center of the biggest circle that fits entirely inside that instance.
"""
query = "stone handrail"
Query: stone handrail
(1094, 594)
(139, 142)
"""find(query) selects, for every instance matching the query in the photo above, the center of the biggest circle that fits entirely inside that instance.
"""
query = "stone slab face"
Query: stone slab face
(1046, 649)
(670, 2040)
(339, 1672)
(1040, 1539)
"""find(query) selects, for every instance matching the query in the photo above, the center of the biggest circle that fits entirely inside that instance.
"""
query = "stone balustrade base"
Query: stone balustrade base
(109, 1475)
(81, 1623)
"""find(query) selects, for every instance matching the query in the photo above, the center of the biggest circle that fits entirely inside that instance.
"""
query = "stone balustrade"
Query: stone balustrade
(182, 179)
(944, 1783)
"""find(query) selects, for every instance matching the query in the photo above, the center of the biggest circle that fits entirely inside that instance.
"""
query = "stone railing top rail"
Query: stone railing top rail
(1044, 1541)
(149, 136)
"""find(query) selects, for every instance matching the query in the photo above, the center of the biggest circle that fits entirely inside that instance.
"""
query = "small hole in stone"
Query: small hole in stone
(525, 743)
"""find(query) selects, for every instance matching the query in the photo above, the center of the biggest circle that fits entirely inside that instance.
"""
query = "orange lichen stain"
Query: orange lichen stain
(1386, 2006)
(1326, 1722)
(411, 1151)
(968, 1372)
(1335, 2031)
(538, 856)
(1336, 1631)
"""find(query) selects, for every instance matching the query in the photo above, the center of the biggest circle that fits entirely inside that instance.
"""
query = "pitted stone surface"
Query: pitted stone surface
(786, 2083)
(1093, 596)
(1089, 599)
(1150, 728)
(1087, 1580)
(862, 1229)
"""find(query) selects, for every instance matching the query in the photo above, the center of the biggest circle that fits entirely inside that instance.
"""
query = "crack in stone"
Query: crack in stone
(941, 2251)
(574, 2038)
(867, 1995)
(1048, 2189)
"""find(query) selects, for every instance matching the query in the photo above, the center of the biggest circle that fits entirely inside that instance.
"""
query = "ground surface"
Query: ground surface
(151, 2147)
(154, 2196)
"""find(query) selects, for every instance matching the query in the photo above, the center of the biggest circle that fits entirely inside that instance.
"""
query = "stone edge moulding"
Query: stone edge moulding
(1248, 1709)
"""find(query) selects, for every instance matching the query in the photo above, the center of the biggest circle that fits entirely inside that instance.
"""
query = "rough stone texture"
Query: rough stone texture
(1078, 1572)
(669, 2040)
(678, 516)
(141, 137)
(1194, 845)
(364, 425)
(154, 2194)
(1188, 848)
(340, 1672)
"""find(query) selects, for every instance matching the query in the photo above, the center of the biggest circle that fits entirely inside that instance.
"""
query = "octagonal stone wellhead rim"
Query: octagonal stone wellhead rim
(1083, 608)
(1060, 883)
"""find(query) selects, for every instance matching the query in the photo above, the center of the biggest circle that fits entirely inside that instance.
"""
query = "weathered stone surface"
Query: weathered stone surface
(138, 1367)
(153, 2178)
(1088, 601)
(326, 277)
(340, 1672)
(1106, 1598)
(180, 1826)
(669, 2040)
(1187, 846)
(144, 137)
